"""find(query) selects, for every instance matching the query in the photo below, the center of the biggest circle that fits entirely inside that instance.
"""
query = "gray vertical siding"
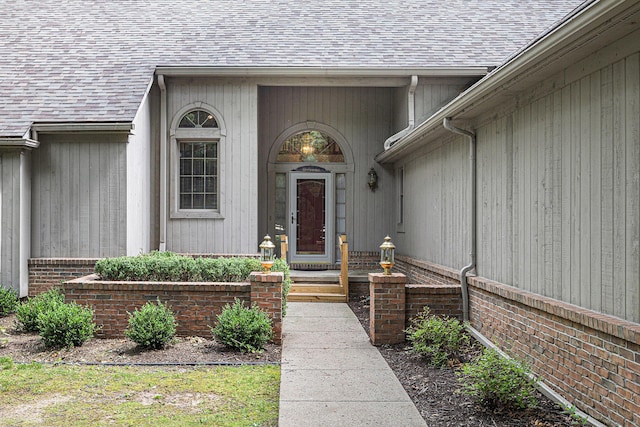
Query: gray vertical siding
(436, 201)
(431, 94)
(574, 191)
(558, 192)
(79, 196)
(10, 219)
(364, 117)
(238, 199)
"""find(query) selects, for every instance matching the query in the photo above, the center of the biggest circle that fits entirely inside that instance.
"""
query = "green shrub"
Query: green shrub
(170, 267)
(28, 312)
(243, 328)
(436, 338)
(66, 325)
(281, 265)
(153, 326)
(8, 301)
(495, 381)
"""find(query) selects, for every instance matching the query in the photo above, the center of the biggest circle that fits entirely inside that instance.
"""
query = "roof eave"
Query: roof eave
(19, 142)
(83, 127)
(330, 72)
(587, 17)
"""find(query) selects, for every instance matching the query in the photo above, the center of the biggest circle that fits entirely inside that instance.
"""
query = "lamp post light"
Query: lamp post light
(267, 254)
(387, 255)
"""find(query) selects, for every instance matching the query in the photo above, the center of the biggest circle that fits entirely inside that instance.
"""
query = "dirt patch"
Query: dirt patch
(28, 347)
(32, 412)
(435, 391)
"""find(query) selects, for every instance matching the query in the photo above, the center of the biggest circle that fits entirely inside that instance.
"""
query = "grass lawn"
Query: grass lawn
(64, 395)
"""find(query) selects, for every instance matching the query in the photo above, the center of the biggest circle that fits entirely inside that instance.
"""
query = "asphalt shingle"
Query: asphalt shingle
(83, 61)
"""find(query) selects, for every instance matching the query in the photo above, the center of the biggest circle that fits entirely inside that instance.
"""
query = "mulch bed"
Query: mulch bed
(435, 391)
(28, 347)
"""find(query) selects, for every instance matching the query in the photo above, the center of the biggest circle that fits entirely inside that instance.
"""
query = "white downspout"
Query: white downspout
(472, 166)
(411, 113)
(163, 163)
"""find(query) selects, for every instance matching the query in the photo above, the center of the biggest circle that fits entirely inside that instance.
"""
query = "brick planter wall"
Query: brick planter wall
(364, 260)
(266, 292)
(418, 271)
(47, 273)
(591, 359)
(387, 308)
(443, 300)
(195, 305)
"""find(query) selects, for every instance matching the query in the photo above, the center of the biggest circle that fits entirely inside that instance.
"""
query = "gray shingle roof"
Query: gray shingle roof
(83, 61)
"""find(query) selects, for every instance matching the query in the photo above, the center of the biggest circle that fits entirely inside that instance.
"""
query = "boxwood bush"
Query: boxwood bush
(244, 328)
(170, 267)
(9, 301)
(152, 326)
(27, 313)
(66, 325)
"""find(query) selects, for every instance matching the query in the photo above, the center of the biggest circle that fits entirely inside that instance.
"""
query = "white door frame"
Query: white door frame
(329, 240)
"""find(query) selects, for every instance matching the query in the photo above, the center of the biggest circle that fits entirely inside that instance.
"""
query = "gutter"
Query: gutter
(356, 72)
(116, 127)
(163, 164)
(446, 122)
(594, 16)
(411, 112)
(19, 142)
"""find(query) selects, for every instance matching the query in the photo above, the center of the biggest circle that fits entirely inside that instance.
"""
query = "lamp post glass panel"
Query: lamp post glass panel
(387, 255)
(267, 254)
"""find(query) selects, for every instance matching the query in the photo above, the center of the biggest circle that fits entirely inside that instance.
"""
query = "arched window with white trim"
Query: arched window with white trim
(196, 139)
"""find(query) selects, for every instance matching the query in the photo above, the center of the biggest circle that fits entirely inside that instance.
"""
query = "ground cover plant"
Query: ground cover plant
(36, 394)
(244, 328)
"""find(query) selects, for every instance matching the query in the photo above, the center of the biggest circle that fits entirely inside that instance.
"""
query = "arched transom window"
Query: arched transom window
(310, 147)
(198, 119)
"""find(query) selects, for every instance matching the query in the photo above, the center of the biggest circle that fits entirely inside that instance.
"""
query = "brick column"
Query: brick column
(266, 292)
(387, 306)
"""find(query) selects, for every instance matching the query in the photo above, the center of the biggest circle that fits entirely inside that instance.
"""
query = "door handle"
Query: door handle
(292, 220)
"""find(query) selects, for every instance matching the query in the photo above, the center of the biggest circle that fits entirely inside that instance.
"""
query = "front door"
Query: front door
(311, 217)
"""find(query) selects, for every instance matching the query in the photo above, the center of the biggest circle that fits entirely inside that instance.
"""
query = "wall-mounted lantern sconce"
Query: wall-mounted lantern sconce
(387, 255)
(267, 254)
(373, 179)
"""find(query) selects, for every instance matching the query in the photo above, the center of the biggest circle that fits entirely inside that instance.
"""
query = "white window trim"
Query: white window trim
(178, 135)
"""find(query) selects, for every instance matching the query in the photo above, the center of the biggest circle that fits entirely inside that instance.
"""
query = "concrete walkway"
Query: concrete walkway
(332, 375)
